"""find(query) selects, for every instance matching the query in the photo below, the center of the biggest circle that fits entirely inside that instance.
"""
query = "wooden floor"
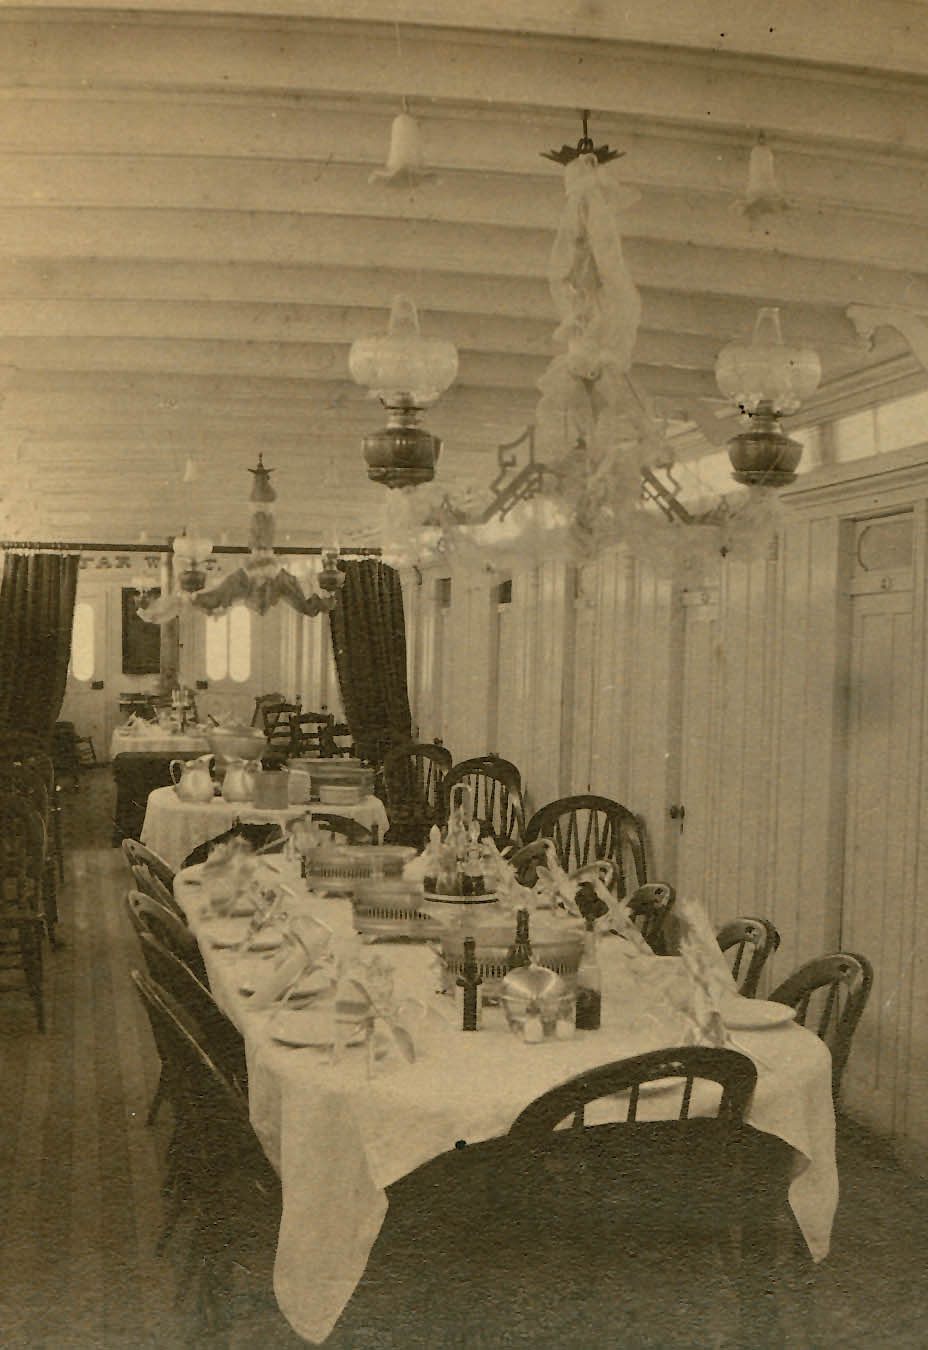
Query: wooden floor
(80, 1202)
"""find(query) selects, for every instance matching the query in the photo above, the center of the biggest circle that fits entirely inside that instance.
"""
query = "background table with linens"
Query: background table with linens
(141, 757)
(339, 1135)
(174, 827)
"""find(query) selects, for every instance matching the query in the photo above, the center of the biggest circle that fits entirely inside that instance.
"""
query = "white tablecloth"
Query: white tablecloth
(156, 741)
(173, 827)
(339, 1138)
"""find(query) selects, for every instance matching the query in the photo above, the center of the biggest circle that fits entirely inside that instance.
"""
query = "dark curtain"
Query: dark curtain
(369, 641)
(36, 612)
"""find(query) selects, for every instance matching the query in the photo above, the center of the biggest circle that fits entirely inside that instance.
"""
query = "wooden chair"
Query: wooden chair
(586, 827)
(833, 990)
(22, 913)
(136, 852)
(739, 936)
(350, 831)
(649, 1215)
(26, 776)
(312, 735)
(21, 747)
(261, 702)
(170, 931)
(413, 775)
(268, 837)
(220, 1173)
(496, 796)
(221, 1038)
(146, 881)
(651, 908)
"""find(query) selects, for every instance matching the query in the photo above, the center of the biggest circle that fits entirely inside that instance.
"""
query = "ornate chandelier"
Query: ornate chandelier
(259, 583)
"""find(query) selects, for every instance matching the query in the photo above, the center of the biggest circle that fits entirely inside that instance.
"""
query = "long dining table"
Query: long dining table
(339, 1134)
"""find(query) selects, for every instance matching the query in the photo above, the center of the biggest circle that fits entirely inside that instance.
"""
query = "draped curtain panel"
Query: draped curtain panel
(36, 613)
(369, 642)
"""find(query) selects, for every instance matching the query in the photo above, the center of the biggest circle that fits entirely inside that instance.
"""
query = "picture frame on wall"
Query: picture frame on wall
(141, 641)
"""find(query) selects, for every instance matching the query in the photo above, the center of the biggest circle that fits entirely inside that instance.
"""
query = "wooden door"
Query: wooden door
(878, 895)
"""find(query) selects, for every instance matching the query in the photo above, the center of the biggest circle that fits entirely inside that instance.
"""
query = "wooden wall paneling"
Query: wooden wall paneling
(699, 743)
(788, 899)
(648, 701)
(611, 656)
(877, 890)
(525, 719)
(290, 654)
(583, 661)
(471, 666)
(422, 694)
(733, 730)
(554, 611)
(504, 681)
(912, 989)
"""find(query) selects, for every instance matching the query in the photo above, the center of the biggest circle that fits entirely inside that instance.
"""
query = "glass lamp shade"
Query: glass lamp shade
(404, 369)
(765, 370)
(192, 548)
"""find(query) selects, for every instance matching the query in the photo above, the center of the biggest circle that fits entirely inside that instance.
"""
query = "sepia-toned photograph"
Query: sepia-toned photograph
(463, 694)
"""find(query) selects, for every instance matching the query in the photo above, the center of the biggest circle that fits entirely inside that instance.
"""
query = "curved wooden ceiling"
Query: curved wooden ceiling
(189, 240)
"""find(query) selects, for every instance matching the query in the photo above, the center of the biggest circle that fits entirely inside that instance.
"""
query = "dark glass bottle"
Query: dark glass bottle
(469, 980)
(520, 953)
(589, 984)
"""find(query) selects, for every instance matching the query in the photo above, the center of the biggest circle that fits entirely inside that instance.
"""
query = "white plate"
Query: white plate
(300, 1027)
(752, 1014)
(225, 932)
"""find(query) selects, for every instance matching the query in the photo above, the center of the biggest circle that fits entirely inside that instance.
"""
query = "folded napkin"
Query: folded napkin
(359, 1008)
(711, 982)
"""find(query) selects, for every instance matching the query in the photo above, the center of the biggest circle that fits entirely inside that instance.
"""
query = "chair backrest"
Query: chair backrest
(734, 1072)
(742, 936)
(352, 831)
(261, 702)
(264, 836)
(22, 857)
(275, 719)
(211, 1110)
(148, 884)
(651, 908)
(586, 827)
(312, 734)
(135, 852)
(413, 775)
(221, 1039)
(148, 915)
(496, 795)
(831, 992)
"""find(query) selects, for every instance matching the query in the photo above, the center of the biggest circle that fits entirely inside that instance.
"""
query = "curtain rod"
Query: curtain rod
(58, 547)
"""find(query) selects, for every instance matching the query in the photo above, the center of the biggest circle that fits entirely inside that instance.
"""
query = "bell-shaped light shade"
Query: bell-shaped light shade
(762, 180)
(404, 369)
(192, 548)
(405, 165)
(765, 370)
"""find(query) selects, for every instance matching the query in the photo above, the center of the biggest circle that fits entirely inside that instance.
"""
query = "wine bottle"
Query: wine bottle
(468, 981)
(520, 953)
(589, 983)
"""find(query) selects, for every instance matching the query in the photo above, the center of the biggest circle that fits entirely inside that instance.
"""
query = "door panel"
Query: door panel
(877, 900)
